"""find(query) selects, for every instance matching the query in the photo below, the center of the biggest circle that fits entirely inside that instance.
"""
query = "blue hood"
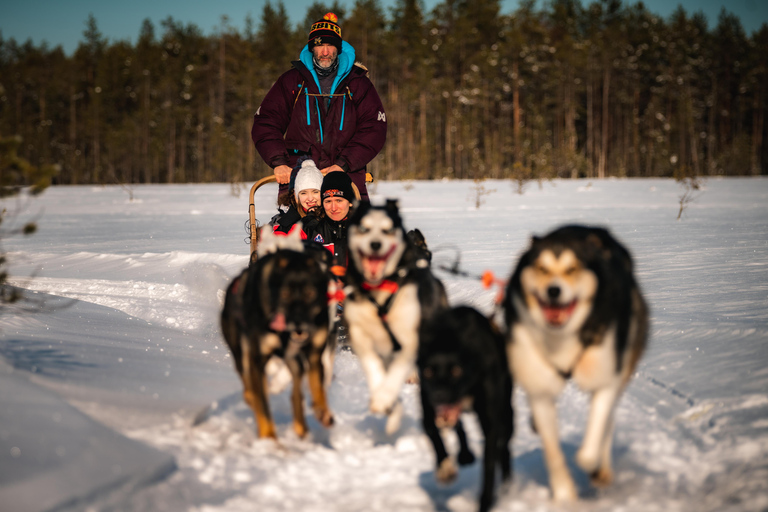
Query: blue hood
(346, 62)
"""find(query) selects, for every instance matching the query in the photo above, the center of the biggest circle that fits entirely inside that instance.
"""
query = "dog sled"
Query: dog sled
(253, 225)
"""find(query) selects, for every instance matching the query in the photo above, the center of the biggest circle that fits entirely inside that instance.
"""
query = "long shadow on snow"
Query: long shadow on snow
(530, 466)
(527, 467)
(374, 426)
(234, 406)
(39, 357)
(467, 483)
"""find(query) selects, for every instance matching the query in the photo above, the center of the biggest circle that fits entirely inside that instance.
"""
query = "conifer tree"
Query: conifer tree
(562, 88)
(17, 178)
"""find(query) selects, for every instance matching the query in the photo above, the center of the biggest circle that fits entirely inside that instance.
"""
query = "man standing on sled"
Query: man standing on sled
(324, 107)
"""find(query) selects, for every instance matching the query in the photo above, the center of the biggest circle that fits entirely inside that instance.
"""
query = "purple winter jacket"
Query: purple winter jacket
(293, 120)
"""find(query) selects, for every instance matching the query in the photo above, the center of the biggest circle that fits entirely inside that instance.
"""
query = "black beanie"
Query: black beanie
(325, 31)
(337, 184)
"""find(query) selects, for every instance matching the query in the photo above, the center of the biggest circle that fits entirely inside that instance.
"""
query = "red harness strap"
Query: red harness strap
(386, 285)
(338, 296)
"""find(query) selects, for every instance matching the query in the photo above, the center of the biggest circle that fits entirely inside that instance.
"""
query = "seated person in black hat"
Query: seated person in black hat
(337, 196)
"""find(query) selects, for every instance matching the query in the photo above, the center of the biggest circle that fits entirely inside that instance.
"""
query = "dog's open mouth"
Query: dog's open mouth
(557, 314)
(374, 265)
(279, 324)
(447, 415)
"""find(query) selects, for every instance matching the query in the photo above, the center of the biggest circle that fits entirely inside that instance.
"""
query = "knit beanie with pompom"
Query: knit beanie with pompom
(308, 177)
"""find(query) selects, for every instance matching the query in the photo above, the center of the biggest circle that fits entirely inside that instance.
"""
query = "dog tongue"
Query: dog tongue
(374, 267)
(447, 415)
(558, 315)
(278, 322)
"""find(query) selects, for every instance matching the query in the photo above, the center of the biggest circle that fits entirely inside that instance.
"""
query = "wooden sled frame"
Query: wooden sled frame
(254, 231)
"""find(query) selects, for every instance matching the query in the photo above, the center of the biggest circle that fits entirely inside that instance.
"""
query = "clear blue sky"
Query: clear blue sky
(61, 22)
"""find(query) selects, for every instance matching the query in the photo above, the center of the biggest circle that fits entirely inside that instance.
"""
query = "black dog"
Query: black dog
(419, 244)
(279, 307)
(463, 366)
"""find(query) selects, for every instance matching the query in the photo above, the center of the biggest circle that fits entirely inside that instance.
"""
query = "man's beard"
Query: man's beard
(325, 71)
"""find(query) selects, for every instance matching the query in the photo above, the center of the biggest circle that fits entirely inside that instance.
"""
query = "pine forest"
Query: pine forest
(564, 89)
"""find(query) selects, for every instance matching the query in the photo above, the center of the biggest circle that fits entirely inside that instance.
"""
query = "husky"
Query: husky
(390, 294)
(574, 311)
(463, 367)
(278, 309)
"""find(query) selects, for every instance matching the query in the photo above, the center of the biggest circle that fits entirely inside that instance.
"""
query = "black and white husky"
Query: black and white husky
(390, 294)
(574, 311)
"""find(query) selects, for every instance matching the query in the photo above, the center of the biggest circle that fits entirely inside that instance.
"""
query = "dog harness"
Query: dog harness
(383, 309)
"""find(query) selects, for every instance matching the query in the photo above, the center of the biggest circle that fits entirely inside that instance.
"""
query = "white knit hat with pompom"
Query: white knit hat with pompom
(308, 177)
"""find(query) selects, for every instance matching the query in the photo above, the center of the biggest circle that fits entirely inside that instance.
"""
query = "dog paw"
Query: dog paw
(466, 457)
(602, 477)
(446, 471)
(382, 401)
(300, 429)
(394, 419)
(564, 492)
(265, 428)
(267, 434)
(486, 502)
(325, 417)
(588, 462)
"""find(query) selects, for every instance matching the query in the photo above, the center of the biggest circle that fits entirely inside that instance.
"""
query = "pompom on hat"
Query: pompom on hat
(325, 31)
(307, 177)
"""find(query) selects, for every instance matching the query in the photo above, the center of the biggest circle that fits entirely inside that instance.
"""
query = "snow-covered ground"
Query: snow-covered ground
(120, 394)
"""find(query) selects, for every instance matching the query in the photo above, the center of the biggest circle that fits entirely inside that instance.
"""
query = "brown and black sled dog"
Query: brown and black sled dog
(279, 308)
(574, 311)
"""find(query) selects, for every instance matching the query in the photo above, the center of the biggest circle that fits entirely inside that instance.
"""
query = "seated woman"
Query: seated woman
(331, 230)
(302, 200)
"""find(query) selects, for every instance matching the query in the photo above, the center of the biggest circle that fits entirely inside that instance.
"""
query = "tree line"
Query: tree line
(563, 90)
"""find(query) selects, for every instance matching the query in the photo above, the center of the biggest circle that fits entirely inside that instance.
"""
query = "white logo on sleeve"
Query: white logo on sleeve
(258, 111)
(382, 117)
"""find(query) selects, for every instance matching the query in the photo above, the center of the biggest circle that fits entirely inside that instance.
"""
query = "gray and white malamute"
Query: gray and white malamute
(574, 311)
(390, 295)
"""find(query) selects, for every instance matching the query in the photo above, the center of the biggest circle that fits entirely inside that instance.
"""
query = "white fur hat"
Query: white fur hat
(308, 177)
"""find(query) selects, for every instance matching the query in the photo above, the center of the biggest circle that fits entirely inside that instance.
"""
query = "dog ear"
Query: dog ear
(358, 209)
(267, 242)
(392, 208)
(594, 240)
(293, 240)
(600, 249)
